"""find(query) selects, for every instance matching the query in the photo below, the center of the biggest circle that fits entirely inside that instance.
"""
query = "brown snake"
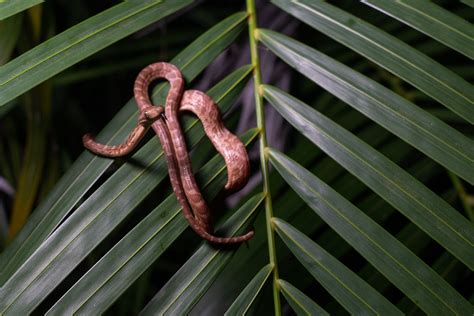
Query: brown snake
(166, 125)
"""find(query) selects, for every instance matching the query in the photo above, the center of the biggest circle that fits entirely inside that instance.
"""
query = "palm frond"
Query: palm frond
(364, 211)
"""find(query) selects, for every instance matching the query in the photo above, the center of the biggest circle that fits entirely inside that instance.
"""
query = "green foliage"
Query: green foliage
(367, 211)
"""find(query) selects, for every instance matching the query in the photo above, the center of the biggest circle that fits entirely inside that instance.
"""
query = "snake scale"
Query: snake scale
(165, 123)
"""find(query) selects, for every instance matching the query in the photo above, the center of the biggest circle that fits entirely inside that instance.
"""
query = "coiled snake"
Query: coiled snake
(166, 125)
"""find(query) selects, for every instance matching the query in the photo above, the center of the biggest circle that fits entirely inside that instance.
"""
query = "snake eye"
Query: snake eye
(153, 113)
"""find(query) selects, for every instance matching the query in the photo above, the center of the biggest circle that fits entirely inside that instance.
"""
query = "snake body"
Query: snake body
(168, 129)
(144, 121)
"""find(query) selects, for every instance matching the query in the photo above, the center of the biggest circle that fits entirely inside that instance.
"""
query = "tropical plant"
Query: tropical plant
(367, 210)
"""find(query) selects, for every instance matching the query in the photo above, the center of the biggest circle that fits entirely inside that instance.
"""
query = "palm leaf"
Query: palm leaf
(220, 35)
(388, 52)
(351, 291)
(245, 299)
(423, 207)
(182, 291)
(104, 283)
(382, 105)
(373, 220)
(89, 168)
(91, 223)
(79, 42)
(432, 20)
(382, 250)
(300, 303)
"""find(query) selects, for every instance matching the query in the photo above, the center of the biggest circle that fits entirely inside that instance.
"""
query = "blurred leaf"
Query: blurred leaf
(245, 299)
(463, 196)
(432, 20)
(79, 42)
(468, 2)
(31, 172)
(388, 52)
(38, 104)
(11, 7)
(9, 31)
(391, 258)
(35, 17)
(301, 304)
(439, 141)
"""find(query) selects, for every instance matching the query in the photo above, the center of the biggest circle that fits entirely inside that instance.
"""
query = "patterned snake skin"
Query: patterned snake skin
(169, 131)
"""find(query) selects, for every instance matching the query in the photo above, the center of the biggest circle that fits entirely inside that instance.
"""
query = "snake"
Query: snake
(165, 123)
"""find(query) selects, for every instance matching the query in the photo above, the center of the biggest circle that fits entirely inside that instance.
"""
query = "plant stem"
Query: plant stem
(257, 80)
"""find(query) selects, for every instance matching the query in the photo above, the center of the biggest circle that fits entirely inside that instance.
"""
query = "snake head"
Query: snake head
(150, 114)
